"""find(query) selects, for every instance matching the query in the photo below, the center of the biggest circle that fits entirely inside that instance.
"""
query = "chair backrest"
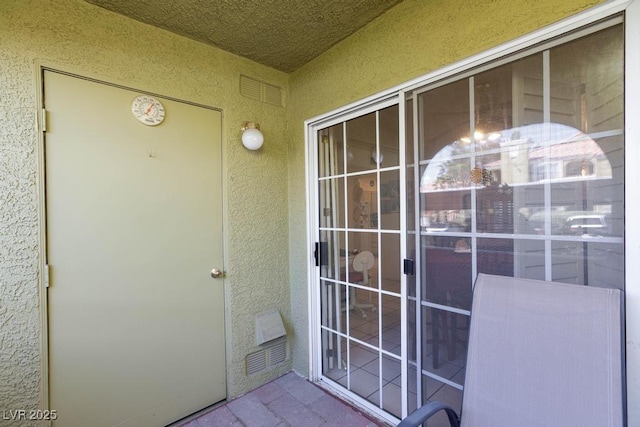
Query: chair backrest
(544, 354)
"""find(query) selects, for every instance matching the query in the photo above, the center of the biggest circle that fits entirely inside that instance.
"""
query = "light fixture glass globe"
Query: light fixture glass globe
(252, 139)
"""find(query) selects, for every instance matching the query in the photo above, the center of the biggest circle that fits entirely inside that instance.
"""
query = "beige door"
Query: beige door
(134, 227)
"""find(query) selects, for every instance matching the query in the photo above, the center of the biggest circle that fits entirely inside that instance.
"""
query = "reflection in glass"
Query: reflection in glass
(389, 137)
(587, 263)
(389, 214)
(362, 201)
(587, 81)
(512, 258)
(331, 151)
(361, 143)
(444, 117)
(331, 203)
(391, 269)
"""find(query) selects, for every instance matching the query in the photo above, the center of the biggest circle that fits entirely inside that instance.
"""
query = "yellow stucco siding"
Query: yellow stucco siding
(75, 36)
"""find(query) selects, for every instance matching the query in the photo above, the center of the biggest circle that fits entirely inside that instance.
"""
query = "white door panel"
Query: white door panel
(134, 226)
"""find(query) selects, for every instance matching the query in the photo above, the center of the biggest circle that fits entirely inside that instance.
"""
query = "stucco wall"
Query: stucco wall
(87, 40)
(410, 40)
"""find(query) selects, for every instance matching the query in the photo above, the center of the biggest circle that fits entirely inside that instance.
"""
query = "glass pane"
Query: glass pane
(527, 91)
(361, 143)
(444, 349)
(391, 327)
(412, 397)
(389, 137)
(331, 151)
(446, 270)
(445, 117)
(391, 389)
(331, 201)
(411, 199)
(336, 261)
(409, 151)
(587, 82)
(390, 200)
(363, 370)
(587, 195)
(436, 390)
(493, 106)
(334, 361)
(528, 259)
(592, 264)
(446, 196)
(363, 315)
(362, 201)
(390, 262)
(333, 304)
(495, 256)
(494, 209)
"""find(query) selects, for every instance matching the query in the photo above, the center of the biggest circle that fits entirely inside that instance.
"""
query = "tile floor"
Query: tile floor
(368, 368)
(286, 401)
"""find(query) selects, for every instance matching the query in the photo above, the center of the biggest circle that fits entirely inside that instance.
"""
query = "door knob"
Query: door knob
(217, 274)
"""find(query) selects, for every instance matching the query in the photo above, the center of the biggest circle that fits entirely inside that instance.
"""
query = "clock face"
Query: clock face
(148, 110)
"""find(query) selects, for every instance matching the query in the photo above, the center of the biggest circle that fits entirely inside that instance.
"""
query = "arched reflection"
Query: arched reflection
(508, 170)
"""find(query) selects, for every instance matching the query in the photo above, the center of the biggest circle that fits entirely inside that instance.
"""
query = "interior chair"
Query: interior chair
(359, 273)
(540, 354)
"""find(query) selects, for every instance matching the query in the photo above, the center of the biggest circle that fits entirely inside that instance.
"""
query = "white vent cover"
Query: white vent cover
(269, 327)
(267, 357)
(256, 362)
(261, 91)
(277, 353)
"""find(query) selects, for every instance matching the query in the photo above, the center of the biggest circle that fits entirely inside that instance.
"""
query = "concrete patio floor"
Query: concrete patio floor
(286, 401)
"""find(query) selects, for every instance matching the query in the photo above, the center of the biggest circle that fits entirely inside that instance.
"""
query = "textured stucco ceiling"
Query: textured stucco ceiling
(283, 34)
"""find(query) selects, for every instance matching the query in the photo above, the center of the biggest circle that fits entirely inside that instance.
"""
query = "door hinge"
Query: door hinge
(409, 267)
(43, 121)
(45, 275)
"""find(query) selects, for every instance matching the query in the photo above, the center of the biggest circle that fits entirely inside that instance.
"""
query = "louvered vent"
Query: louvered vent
(278, 353)
(261, 91)
(268, 357)
(256, 362)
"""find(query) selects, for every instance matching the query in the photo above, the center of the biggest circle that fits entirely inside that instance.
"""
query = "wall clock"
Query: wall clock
(148, 110)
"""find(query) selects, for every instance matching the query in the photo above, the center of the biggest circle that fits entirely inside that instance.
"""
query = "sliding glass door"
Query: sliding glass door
(358, 252)
(513, 168)
(516, 170)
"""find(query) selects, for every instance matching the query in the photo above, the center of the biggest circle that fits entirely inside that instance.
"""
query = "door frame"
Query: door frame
(40, 67)
(631, 10)
(353, 111)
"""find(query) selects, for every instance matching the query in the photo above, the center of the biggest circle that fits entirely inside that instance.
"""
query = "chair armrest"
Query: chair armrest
(421, 414)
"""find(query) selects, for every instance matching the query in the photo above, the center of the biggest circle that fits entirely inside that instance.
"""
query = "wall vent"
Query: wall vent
(256, 362)
(278, 353)
(261, 91)
(267, 357)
